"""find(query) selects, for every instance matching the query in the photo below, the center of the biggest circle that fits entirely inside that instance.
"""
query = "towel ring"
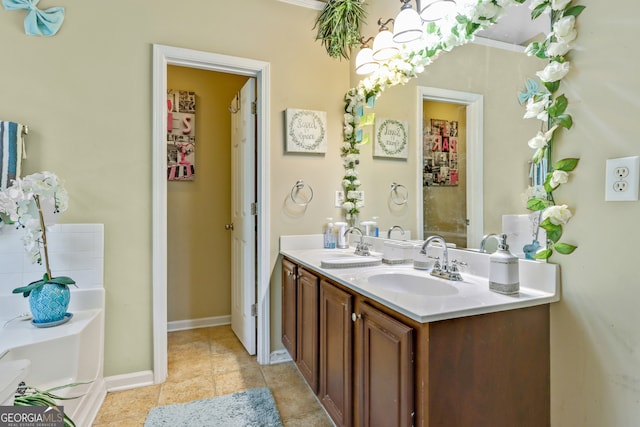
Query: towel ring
(297, 187)
(399, 197)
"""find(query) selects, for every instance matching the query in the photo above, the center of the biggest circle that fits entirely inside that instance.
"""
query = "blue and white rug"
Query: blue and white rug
(252, 408)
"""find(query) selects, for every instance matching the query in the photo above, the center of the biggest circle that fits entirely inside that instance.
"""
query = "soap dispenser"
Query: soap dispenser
(504, 276)
(329, 234)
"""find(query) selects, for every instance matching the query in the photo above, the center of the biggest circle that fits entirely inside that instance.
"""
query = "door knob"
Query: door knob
(228, 226)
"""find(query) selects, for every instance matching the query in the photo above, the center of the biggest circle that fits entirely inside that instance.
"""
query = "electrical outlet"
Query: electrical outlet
(622, 179)
(620, 186)
(339, 200)
(621, 172)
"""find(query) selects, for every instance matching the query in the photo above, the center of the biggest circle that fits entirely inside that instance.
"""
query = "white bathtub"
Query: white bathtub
(64, 354)
(67, 353)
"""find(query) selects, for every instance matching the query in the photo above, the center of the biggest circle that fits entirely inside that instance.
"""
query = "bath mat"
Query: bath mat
(252, 408)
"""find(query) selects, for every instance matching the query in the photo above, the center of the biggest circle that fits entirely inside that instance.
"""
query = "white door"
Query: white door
(243, 240)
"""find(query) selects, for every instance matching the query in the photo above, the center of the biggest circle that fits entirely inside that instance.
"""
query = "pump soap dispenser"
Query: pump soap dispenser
(504, 276)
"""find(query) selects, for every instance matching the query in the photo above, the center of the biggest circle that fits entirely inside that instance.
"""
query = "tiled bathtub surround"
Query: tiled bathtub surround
(77, 347)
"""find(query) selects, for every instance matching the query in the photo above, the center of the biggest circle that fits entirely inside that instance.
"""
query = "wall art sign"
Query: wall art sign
(440, 153)
(306, 131)
(181, 135)
(392, 138)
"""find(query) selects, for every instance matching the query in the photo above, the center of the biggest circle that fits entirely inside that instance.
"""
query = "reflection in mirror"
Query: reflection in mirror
(451, 166)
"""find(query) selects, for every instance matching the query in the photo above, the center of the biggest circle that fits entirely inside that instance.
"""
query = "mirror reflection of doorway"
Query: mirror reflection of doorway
(444, 171)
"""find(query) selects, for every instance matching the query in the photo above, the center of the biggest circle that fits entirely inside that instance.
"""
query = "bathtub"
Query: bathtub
(67, 353)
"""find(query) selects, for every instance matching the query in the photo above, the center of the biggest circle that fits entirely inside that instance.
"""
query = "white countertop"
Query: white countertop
(539, 282)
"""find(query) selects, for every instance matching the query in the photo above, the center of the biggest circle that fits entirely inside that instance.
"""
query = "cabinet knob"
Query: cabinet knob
(228, 226)
(355, 317)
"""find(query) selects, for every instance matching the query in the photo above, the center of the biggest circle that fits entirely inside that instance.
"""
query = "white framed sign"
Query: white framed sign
(306, 131)
(392, 138)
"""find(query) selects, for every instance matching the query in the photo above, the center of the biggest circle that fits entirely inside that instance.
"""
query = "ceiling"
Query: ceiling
(516, 26)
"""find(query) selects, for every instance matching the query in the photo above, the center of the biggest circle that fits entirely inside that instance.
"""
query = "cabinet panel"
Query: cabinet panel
(307, 339)
(384, 369)
(289, 303)
(336, 353)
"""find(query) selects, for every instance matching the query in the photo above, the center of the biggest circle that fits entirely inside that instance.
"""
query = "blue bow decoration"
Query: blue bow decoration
(38, 22)
(531, 89)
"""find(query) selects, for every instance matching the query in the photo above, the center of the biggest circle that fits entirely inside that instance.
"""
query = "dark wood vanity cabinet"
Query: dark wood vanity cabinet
(336, 353)
(300, 291)
(377, 367)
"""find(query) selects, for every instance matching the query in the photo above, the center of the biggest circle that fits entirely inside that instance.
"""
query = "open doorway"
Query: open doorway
(471, 105)
(163, 56)
(199, 197)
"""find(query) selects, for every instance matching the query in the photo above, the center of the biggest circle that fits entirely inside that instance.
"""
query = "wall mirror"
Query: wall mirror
(482, 80)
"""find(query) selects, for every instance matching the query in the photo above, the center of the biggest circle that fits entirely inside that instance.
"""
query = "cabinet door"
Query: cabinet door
(289, 303)
(384, 369)
(307, 339)
(336, 334)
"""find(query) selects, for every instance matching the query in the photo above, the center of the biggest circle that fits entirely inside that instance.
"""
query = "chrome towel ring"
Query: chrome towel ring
(297, 195)
(399, 194)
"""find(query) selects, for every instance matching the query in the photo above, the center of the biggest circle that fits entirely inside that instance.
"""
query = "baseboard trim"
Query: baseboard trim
(203, 322)
(279, 356)
(129, 381)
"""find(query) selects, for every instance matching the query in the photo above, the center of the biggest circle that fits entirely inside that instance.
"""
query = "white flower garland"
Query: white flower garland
(455, 31)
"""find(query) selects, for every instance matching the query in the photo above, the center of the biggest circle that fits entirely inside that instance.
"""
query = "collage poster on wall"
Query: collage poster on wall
(181, 135)
(440, 153)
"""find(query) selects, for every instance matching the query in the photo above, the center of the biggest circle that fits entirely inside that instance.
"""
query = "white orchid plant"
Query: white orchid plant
(21, 205)
(443, 36)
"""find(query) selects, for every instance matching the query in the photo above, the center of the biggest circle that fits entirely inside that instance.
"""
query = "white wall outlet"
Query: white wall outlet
(339, 200)
(622, 179)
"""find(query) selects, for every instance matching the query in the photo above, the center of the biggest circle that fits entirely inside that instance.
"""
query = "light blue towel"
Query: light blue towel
(11, 151)
(38, 22)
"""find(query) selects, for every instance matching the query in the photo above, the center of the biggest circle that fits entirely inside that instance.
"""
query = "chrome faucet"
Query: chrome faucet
(361, 248)
(393, 228)
(484, 241)
(444, 270)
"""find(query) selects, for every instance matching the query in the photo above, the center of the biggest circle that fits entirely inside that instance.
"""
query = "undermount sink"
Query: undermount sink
(407, 283)
(346, 260)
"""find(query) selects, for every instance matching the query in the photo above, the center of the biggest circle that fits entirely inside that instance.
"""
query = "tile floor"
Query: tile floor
(210, 362)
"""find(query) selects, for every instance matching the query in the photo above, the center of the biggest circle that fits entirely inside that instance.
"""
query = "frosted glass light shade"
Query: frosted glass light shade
(365, 64)
(384, 46)
(407, 26)
(434, 10)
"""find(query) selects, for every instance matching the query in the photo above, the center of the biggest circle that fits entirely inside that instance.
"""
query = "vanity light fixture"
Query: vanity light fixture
(383, 45)
(408, 24)
(434, 10)
(365, 64)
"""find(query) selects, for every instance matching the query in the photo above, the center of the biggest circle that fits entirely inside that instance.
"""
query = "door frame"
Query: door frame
(162, 57)
(475, 131)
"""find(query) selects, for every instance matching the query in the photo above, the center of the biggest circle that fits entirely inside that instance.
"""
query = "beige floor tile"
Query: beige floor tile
(127, 404)
(209, 362)
(187, 390)
(226, 345)
(128, 422)
(219, 332)
(234, 381)
(282, 375)
(182, 369)
(227, 362)
(295, 400)
(316, 418)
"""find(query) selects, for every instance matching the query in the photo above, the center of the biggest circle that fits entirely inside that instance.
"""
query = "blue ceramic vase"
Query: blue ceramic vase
(49, 302)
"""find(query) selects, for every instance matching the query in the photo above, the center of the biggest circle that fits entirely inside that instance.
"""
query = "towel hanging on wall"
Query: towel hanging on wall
(11, 151)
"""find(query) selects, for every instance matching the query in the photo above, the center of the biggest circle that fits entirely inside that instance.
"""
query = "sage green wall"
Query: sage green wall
(198, 247)
(86, 96)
